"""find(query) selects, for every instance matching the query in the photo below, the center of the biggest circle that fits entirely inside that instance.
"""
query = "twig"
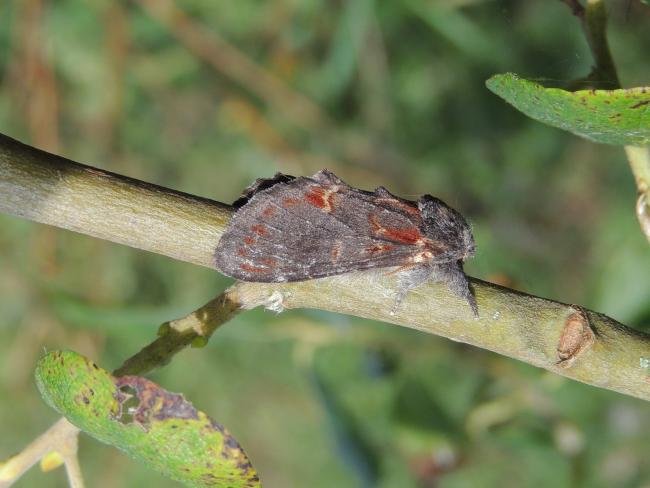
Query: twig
(593, 18)
(68, 449)
(53, 190)
(595, 27)
(565, 339)
(568, 340)
(194, 329)
(60, 437)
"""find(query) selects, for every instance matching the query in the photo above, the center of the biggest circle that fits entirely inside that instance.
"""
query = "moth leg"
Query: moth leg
(452, 274)
(409, 277)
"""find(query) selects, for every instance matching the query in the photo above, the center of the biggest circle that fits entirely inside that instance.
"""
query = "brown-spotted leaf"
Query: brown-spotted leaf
(619, 117)
(156, 427)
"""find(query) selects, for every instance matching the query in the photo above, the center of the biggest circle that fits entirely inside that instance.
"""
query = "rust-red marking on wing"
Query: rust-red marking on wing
(405, 235)
(290, 202)
(269, 212)
(249, 240)
(260, 230)
(252, 269)
(408, 235)
(270, 262)
(376, 226)
(321, 197)
(407, 207)
(316, 196)
(336, 251)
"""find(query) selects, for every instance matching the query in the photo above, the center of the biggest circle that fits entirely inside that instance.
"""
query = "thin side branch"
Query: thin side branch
(174, 336)
(62, 436)
(594, 23)
(566, 339)
(593, 18)
(68, 450)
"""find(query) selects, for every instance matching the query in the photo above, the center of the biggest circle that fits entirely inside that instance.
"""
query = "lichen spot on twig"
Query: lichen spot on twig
(577, 336)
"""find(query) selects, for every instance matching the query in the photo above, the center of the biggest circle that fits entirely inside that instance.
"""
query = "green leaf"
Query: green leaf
(156, 427)
(619, 117)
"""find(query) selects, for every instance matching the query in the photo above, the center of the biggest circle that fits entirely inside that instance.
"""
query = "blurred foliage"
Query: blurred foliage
(318, 399)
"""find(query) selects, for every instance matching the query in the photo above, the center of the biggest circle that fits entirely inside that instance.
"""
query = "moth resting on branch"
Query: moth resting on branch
(296, 229)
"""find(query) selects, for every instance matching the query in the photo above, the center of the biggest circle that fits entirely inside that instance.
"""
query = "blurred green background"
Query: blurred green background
(383, 93)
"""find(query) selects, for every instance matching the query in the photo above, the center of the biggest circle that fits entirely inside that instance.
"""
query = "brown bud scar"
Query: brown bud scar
(290, 202)
(577, 336)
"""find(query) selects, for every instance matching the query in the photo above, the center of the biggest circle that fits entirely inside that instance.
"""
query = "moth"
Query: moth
(295, 229)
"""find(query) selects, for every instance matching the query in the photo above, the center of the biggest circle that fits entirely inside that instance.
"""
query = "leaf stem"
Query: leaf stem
(594, 23)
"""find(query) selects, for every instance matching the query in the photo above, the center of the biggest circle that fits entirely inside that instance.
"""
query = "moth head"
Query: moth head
(446, 225)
